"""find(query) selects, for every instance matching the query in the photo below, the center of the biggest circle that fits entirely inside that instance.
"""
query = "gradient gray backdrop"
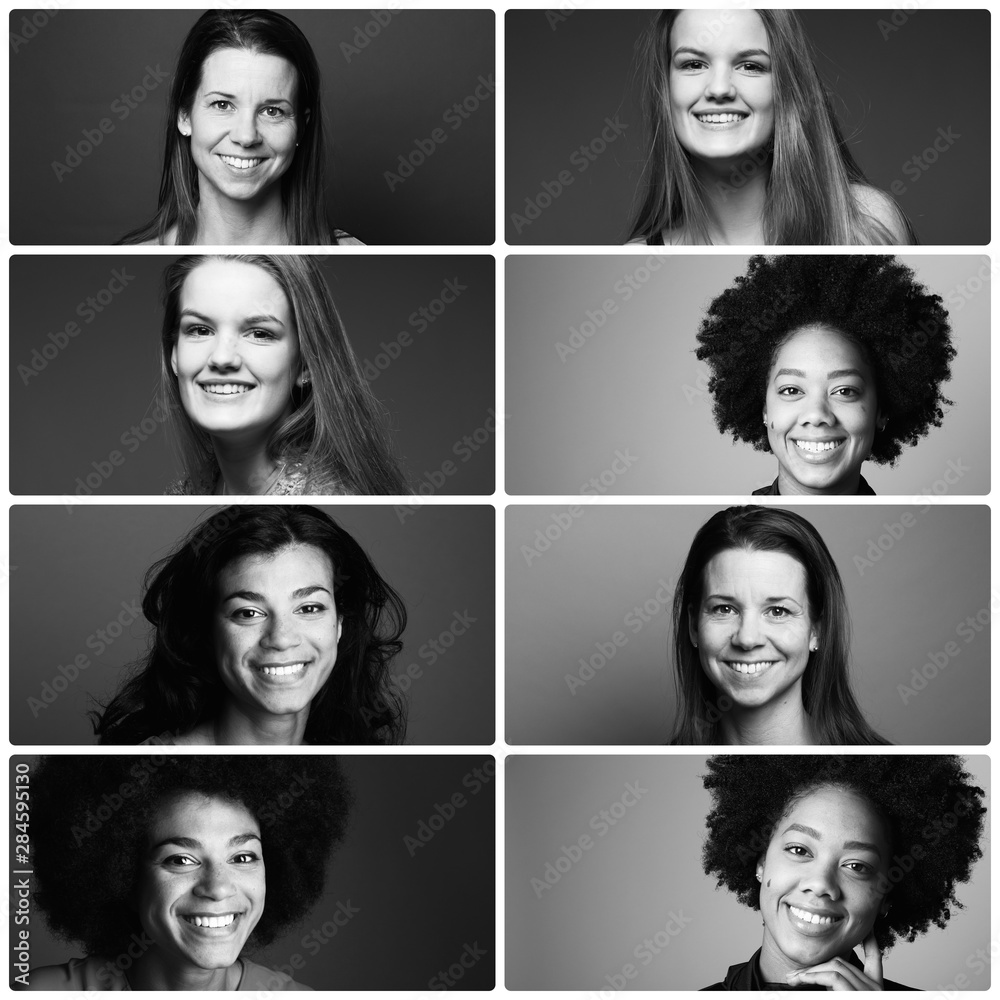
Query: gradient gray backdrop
(647, 867)
(75, 411)
(569, 70)
(634, 384)
(417, 911)
(88, 560)
(377, 102)
(906, 605)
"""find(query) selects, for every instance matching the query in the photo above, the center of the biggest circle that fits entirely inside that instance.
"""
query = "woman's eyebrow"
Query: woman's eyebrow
(191, 844)
(745, 54)
(252, 595)
(808, 830)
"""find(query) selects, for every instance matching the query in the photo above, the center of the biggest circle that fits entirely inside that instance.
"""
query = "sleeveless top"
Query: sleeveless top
(295, 479)
(100, 974)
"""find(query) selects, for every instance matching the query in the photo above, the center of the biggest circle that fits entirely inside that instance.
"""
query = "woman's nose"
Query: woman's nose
(720, 84)
(821, 880)
(282, 634)
(244, 130)
(225, 352)
(747, 632)
(818, 411)
(214, 883)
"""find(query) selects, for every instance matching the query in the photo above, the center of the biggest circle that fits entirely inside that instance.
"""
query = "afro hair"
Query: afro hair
(872, 299)
(933, 812)
(91, 815)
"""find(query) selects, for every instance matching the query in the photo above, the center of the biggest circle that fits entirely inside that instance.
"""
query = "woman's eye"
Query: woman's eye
(690, 64)
(859, 867)
(247, 614)
(847, 391)
(789, 391)
(313, 609)
(246, 858)
(796, 850)
(722, 609)
(273, 112)
(180, 861)
(752, 67)
(196, 331)
(221, 105)
(265, 335)
(779, 612)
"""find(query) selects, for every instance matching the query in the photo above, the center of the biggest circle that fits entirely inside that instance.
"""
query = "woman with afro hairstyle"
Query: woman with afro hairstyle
(839, 852)
(271, 626)
(762, 637)
(744, 145)
(158, 866)
(826, 362)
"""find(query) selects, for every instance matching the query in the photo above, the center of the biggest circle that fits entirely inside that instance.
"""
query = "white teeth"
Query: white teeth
(235, 161)
(816, 447)
(751, 668)
(223, 921)
(811, 918)
(291, 668)
(720, 119)
(227, 389)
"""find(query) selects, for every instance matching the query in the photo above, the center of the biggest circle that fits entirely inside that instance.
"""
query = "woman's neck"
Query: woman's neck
(224, 222)
(152, 971)
(783, 724)
(734, 199)
(245, 470)
(236, 726)
(790, 487)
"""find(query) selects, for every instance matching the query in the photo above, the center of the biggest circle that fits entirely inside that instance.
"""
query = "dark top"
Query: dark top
(864, 490)
(747, 977)
(656, 240)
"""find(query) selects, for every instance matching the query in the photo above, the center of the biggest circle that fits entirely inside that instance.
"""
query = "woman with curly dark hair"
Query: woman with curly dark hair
(836, 853)
(156, 865)
(271, 626)
(826, 362)
(762, 636)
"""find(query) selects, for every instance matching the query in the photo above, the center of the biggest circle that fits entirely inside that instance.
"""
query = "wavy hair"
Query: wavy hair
(809, 198)
(177, 685)
(337, 426)
(826, 691)
(94, 813)
(932, 810)
(302, 185)
(873, 300)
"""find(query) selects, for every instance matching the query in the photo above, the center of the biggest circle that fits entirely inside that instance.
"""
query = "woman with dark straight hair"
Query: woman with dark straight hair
(243, 159)
(270, 625)
(744, 146)
(762, 636)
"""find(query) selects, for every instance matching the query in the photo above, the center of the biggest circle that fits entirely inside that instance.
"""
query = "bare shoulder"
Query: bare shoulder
(881, 207)
(201, 736)
(48, 977)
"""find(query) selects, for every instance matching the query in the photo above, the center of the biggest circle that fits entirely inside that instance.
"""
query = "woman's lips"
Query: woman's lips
(811, 923)
(223, 922)
(749, 668)
(818, 452)
(280, 671)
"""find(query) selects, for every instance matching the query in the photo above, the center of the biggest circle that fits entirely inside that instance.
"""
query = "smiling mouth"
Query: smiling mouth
(223, 920)
(749, 668)
(241, 163)
(818, 447)
(224, 388)
(281, 670)
(721, 118)
(815, 919)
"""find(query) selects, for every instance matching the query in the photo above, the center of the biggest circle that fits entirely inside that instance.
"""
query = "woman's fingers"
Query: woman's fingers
(873, 959)
(835, 975)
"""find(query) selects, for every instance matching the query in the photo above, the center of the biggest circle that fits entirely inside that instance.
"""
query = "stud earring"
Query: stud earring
(759, 876)
(304, 381)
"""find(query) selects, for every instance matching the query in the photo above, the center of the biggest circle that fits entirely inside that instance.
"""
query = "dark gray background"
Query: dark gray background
(75, 411)
(377, 103)
(417, 912)
(904, 606)
(648, 866)
(892, 94)
(76, 566)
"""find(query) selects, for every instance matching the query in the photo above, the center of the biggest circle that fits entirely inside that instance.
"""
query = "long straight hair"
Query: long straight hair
(302, 185)
(826, 691)
(336, 427)
(809, 198)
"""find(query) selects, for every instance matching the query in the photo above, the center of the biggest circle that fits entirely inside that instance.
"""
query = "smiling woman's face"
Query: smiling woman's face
(201, 881)
(243, 125)
(821, 411)
(236, 356)
(721, 96)
(822, 880)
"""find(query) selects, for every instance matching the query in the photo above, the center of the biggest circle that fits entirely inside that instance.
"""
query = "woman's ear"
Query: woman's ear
(173, 360)
(184, 123)
(692, 628)
(813, 641)
(340, 626)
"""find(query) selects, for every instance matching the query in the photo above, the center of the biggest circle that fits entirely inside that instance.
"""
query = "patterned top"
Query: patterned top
(343, 239)
(295, 479)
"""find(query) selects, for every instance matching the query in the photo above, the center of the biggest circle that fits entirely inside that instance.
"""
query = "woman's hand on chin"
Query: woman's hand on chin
(839, 974)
